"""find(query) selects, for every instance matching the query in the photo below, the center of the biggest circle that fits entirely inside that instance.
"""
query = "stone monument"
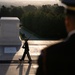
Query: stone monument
(9, 34)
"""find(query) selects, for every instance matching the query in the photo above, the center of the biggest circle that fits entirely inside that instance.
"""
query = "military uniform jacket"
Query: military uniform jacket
(26, 47)
(58, 59)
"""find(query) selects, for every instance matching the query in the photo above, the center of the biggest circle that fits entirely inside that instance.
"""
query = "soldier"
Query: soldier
(59, 59)
(26, 51)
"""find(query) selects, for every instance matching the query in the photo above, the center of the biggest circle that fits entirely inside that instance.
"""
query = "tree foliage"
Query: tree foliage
(46, 21)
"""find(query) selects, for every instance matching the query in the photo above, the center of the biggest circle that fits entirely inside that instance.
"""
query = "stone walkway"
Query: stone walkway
(9, 60)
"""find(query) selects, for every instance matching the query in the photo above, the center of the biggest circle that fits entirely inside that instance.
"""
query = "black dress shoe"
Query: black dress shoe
(30, 61)
(21, 60)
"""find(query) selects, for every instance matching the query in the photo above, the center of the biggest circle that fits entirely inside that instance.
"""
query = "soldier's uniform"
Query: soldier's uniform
(26, 51)
(59, 59)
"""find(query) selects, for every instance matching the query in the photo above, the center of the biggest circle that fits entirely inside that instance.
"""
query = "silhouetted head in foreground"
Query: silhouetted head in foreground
(69, 14)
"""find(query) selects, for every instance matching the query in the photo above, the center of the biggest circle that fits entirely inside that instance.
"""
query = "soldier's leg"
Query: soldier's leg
(24, 54)
(29, 57)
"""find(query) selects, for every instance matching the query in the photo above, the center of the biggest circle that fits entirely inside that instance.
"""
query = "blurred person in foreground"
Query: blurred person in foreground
(59, 59)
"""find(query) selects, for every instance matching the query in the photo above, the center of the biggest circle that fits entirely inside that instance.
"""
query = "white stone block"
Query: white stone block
(9, 31)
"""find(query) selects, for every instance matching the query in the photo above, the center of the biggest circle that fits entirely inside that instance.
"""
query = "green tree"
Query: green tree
(16, 11)
(5, 11)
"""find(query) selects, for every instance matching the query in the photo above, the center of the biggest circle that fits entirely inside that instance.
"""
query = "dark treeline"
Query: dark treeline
(47, 21)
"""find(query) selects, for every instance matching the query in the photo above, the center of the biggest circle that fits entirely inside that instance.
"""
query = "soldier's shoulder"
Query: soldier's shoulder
(53, 47)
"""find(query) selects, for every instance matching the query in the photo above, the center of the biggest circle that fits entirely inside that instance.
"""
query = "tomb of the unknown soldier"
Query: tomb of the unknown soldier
(9, 37)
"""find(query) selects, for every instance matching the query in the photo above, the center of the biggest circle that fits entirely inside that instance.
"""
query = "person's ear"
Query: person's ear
(66, 20)
(67, 23)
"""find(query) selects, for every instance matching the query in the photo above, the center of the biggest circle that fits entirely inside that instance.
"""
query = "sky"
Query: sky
(29, 0)
(35, 2)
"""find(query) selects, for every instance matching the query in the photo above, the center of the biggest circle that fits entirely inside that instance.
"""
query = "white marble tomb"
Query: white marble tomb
(9, 33)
